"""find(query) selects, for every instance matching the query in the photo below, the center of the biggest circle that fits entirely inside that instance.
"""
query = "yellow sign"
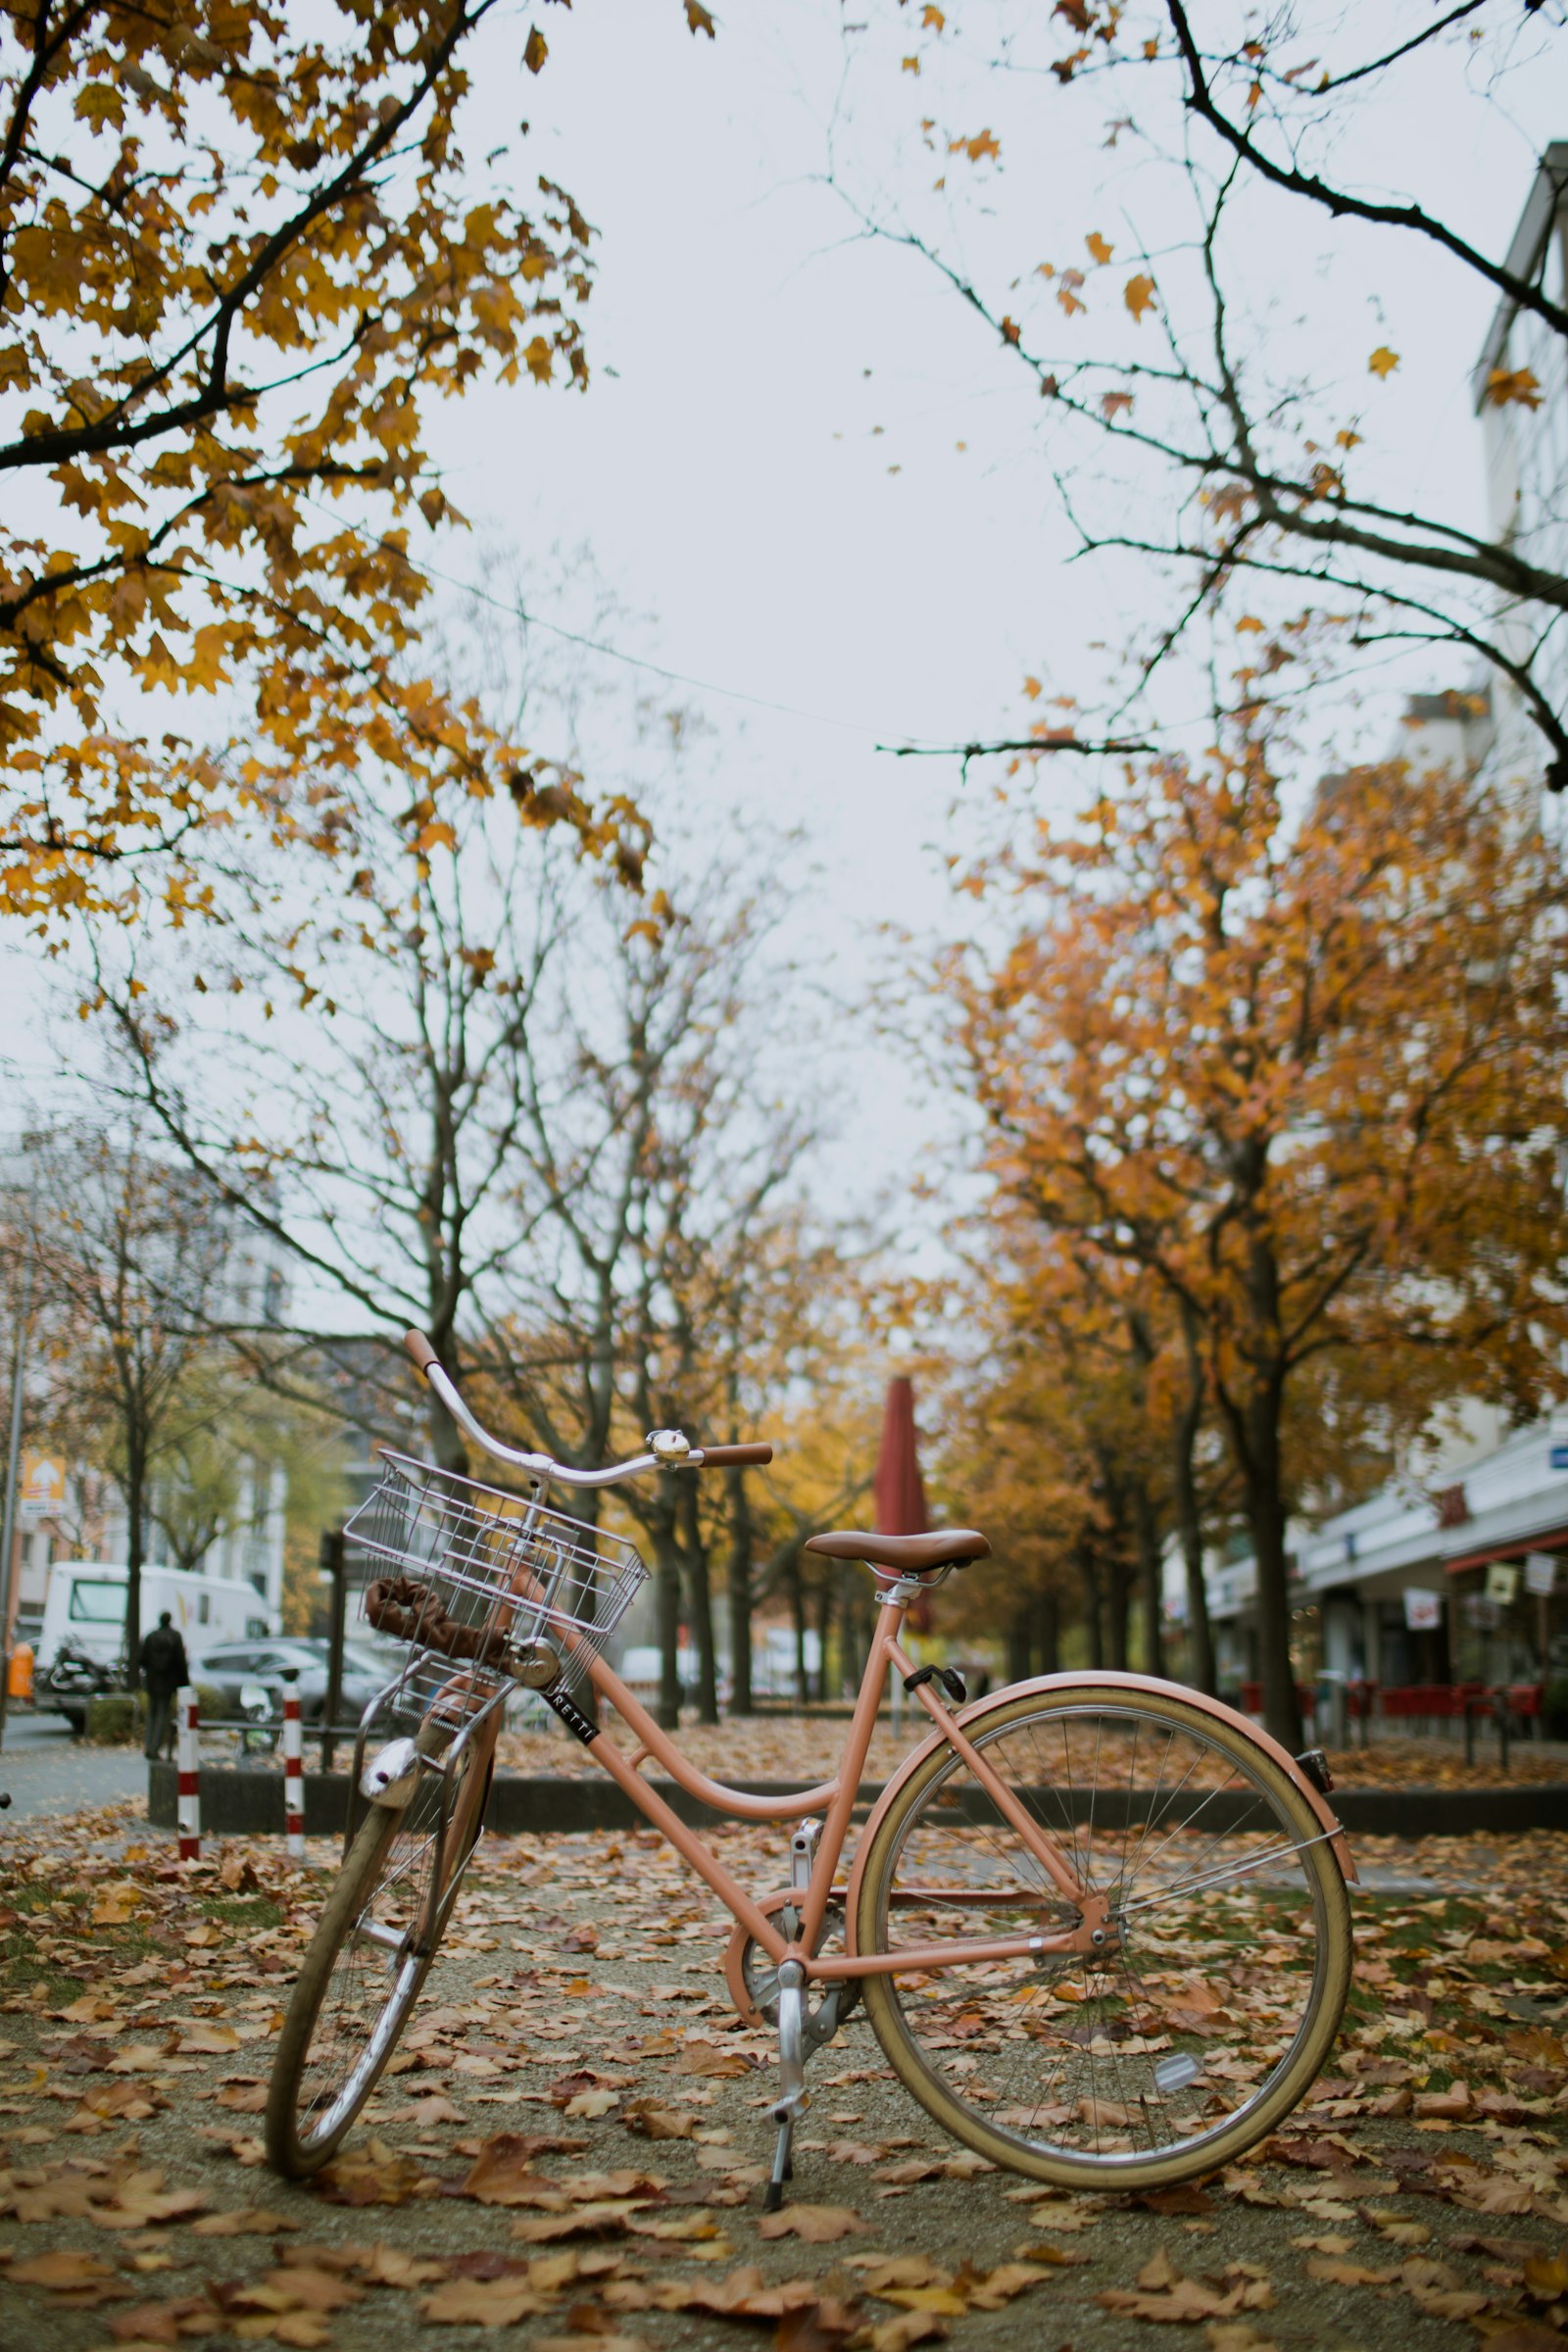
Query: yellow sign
(43, 1489)
(1502, 1582)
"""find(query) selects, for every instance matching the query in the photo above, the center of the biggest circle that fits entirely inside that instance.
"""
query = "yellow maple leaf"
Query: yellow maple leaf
(1033, 689)
(1504, 384)
(932, 19)
(1250, 621)
(698, 18)
(1139, 295)
(1383, 362)
(1098, 250)
(537, 50)
(909, 65)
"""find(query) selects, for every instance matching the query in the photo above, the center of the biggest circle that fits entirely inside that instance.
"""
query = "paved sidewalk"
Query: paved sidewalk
(48, 1772)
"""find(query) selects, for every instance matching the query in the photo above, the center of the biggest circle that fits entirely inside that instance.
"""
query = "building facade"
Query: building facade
(1525, 447)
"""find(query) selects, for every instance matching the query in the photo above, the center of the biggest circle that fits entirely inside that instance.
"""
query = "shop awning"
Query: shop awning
(1552, 1539)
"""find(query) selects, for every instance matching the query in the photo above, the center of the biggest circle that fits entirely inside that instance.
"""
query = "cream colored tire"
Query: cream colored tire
(1257, 1961)
(366, 1963)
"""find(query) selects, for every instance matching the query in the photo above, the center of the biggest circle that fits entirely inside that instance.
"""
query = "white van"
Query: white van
(84, 1605)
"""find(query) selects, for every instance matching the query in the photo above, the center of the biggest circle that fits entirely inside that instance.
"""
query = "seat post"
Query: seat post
(897, 1594)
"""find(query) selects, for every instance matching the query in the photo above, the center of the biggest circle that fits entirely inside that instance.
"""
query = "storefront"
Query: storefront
(1425, 1586)
(1507, 1612)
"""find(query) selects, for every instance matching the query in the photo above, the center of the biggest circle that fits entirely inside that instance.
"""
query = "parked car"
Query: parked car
(231, 1665)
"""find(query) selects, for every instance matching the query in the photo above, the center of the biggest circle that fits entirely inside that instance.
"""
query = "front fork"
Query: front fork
(391, 1779)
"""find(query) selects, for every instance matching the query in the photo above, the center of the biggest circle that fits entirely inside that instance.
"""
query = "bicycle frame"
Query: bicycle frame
(838, 1798)
(490, 1595)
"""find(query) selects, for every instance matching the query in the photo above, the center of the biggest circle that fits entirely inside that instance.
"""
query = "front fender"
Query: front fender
(972, 1716)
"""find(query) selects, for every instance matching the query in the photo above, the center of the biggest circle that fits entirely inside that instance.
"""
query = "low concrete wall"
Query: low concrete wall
(239, 1804)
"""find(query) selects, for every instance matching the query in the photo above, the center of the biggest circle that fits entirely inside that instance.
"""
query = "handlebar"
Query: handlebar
(671, 1452)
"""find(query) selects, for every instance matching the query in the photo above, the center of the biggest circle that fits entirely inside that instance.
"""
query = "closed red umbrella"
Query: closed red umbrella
(898, 1487)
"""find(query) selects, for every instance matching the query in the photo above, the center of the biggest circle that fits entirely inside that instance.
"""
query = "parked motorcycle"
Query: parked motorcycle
(72, 1678)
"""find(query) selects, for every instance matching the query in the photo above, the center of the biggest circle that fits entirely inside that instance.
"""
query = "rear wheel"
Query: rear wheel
(1214, 2005)
(368, 1960)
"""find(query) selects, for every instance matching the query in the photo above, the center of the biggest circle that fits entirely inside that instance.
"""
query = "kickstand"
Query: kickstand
(783, 2169)
(792, 2077)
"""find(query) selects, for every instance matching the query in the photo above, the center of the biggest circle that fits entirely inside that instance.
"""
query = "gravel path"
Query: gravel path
(589, 1964)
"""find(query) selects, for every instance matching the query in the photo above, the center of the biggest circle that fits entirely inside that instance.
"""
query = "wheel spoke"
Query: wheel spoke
(1171, 2048)
(359, 1982)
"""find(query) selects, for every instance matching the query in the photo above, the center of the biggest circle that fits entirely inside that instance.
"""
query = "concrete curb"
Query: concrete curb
(251, 1804)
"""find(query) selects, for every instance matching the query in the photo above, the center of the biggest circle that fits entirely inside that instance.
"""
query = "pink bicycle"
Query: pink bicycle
(1098, 1922)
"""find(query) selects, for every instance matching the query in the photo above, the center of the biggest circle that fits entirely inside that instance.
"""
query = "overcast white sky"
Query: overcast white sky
(725, 468)
(728, 473)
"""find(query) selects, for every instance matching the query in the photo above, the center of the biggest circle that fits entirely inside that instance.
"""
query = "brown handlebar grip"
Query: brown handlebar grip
(734, 1457)
(419, 1348)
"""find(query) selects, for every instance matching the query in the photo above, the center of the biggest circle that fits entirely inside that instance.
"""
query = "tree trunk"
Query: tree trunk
(827, 1594)
(666, 1573)
(1189, 1519)
(1118, 1595)
(864, 1618)
(1265, 1518)
(1252, 1421)
(1089, 1570)
(699, 1586)
(1018, 1642)
(1146, 1530)
(1047, 1632)
(739, 1576)
(136, 1549)
(796, 1587)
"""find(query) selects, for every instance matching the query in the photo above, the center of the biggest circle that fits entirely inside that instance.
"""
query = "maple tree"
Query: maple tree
(243, 253)
(1187, 430)
(1302, 1070)
(1060, 1448)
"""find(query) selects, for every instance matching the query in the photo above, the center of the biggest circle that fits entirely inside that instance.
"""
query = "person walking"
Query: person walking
(165, 1669)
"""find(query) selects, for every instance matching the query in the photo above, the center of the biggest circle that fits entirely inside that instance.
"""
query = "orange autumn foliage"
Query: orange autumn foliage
(243, 254)
(1307, 1074)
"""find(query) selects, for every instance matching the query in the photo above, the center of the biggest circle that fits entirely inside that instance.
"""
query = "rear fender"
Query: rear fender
(973, 1717)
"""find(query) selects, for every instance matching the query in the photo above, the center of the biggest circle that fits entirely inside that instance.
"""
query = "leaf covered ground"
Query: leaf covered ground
(807, 1746)
(570, 2148)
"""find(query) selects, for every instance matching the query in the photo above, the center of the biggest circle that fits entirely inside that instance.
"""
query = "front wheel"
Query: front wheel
(1216, 2001)
(370, 1956)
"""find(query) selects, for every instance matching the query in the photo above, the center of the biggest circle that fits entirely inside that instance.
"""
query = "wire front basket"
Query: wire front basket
(486, 1587)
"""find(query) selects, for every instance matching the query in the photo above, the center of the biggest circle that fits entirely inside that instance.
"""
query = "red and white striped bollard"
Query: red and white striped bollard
(293, 1771)
(188, 1770)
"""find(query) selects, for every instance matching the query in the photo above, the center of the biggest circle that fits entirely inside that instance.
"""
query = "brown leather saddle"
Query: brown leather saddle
(907, 1556)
